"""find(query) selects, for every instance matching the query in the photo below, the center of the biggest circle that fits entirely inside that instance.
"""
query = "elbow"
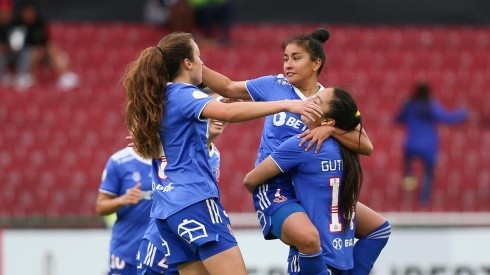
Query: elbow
(368, 151)
(99, 211)
(248, 183)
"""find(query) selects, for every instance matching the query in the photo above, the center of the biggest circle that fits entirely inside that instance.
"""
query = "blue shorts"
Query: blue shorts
(119, 266)
(152, 260)
(197, 232)
(268, 198)
(293, 267)
(278, 218)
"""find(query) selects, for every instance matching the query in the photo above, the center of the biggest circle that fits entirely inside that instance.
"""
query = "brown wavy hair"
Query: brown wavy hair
(343, 109)
(145, 83)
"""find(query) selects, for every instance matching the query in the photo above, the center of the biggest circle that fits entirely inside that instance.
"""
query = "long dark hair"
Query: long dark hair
(145, 83)
(312, 43)
(343, 109)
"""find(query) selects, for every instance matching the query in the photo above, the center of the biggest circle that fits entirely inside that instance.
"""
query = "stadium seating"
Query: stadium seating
(54, 144)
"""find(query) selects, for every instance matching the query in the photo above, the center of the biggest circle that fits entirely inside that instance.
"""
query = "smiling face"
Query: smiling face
(298, 66)
(322, 99)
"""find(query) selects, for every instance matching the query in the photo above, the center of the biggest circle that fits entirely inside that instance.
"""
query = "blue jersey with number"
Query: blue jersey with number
(277, 128)
(186, 178)
(152, 233)
(124, 170)
(317, 179)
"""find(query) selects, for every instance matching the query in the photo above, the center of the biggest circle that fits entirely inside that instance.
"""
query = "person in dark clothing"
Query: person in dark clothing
(421, 115)
(6, 55)
(35, 48)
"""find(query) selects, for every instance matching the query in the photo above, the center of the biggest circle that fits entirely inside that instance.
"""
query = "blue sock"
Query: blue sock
(312, 263)
(367, 249)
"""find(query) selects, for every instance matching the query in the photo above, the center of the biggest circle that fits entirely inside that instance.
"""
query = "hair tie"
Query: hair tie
(160, 50)
(358, 114)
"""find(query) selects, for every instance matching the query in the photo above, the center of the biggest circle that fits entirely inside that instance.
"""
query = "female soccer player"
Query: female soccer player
(167, 113)
(125, 190)
(326, 183)
(153, 250)
(278, 211)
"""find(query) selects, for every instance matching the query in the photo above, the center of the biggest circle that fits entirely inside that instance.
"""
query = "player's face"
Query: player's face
(298, 66)
(196, 70)
(322, 99)
(216, 127)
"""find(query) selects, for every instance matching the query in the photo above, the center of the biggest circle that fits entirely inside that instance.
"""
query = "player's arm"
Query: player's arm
(264, 171)
(223, 85)
(244, 111)
(107, 204)
(357, 143)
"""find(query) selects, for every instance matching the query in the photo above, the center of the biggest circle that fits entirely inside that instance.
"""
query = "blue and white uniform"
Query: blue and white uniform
(317, 180)
(124, 170)
(277, 191)
(154, 250)
(186, 197)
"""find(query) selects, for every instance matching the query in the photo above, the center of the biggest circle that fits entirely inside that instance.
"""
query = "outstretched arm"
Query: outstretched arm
(244, 111)
(349, 139)
(223, 85)
(264, 171)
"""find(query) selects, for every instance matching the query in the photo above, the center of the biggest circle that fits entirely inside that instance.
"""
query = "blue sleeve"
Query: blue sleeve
(289, 155)
(259, 88)
(192, 101)
(445, 116)
(111, 182)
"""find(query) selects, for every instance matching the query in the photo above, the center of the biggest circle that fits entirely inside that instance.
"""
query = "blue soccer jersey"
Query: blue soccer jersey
(277, 128)
(151, 258)
(124, 170)
(317, 179)
(187, 177)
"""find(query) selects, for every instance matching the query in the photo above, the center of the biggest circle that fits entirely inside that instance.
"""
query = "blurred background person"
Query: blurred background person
(29, 37)
(6, 54)
(421, 114)
(213, 18)
(126, 190)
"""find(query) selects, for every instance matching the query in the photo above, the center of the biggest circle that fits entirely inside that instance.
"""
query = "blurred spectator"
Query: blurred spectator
(29, 38)
(420, 115)
(6, 14)
(177, 15)
(213, 18)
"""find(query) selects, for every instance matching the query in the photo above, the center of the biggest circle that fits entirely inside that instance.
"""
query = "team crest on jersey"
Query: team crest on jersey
(136, 176)
(191, 230)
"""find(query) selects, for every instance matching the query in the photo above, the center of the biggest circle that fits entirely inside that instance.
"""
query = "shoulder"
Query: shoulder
(179, 89)
(127, 154)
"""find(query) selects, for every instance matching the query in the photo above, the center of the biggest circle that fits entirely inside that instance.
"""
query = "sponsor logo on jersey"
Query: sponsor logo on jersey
(169, 187)
(282, 118)
(337, 243)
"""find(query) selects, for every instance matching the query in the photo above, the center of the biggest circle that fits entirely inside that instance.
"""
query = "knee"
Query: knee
(308, 241)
